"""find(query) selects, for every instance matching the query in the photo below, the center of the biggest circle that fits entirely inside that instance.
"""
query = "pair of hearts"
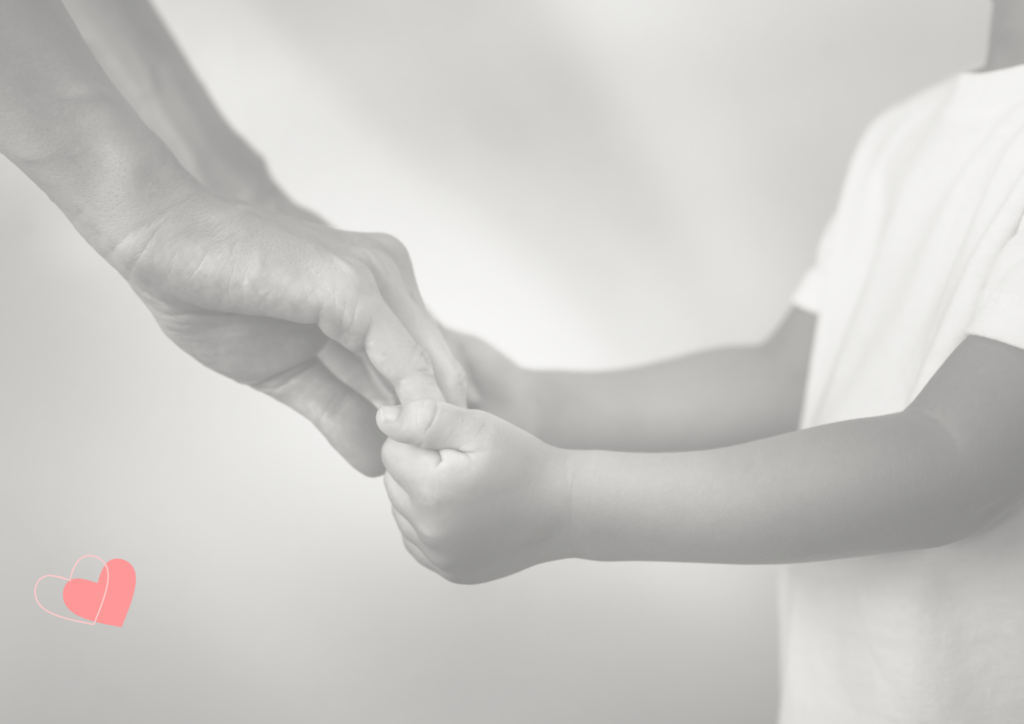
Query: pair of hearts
(104, 601)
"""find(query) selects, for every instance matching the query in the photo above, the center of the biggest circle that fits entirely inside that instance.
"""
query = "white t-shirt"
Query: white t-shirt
(924, 249)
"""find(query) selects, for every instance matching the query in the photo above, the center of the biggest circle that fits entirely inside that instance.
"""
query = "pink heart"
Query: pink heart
(104, 601)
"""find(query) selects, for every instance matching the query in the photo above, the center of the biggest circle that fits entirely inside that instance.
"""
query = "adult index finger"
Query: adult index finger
(448, 371)
(363, 321)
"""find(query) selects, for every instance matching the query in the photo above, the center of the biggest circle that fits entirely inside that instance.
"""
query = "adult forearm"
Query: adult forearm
(850, 489)
(141, 58)
(67, 128)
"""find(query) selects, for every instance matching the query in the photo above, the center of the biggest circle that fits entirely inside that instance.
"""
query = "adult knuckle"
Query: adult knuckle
(347, 323)
(335, 274)
(381, 253)
(391, 245)
(367, 256)
(421, 362)
(459, 375)
(351, 311)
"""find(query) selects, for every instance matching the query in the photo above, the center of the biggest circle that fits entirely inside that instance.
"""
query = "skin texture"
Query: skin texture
(138, 54)
(136, 51)
(711, 399)
(257, 291)
(477, 499)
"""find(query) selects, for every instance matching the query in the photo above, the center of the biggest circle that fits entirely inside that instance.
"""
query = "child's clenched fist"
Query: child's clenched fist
(475, 497)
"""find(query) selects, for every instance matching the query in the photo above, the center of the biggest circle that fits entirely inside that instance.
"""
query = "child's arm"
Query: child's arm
(711, 399)
(947, 467)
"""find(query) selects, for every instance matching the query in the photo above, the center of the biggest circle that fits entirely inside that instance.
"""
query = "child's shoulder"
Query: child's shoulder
(924, 101)
(905, 116)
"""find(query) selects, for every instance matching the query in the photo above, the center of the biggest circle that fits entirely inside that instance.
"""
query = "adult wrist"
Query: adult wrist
(107, 172)
(231, 168)
(138, 194)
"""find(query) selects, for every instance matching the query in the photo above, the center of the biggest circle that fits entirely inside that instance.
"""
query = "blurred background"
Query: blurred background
(585, 184)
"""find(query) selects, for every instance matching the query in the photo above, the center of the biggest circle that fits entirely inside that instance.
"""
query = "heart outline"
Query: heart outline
(106, 587)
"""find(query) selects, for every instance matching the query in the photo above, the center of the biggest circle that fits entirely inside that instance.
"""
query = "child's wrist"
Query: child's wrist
(560, 482)
(590, 522)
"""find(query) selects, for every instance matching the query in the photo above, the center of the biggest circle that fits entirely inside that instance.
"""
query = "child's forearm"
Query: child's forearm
(850, 489)
(495, 500)
(712, 399)
(707, 400)
(945, 468)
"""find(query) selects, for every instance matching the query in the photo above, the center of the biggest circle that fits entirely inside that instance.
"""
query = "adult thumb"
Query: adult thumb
(434, 425)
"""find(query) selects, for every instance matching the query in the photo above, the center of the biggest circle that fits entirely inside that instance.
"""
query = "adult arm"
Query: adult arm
(135, 49)
(250, 293)
(138, 54)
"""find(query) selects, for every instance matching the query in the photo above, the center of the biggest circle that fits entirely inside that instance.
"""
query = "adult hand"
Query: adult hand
(253, 293)
(257, 296)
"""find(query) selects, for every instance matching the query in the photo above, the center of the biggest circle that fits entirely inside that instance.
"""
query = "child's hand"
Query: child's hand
(496, 383)
(493, 501)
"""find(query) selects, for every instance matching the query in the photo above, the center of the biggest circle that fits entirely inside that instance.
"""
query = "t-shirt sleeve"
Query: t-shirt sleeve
(813, 292)
(807, 296)
(999, 314)
(810, 291)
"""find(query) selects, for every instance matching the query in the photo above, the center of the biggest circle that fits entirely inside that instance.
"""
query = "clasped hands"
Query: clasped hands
(332, 324)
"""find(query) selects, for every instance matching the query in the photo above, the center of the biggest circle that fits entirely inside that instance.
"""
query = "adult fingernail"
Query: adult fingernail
(389, 414)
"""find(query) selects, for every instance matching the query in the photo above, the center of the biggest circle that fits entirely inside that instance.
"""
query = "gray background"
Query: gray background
(584, 183)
